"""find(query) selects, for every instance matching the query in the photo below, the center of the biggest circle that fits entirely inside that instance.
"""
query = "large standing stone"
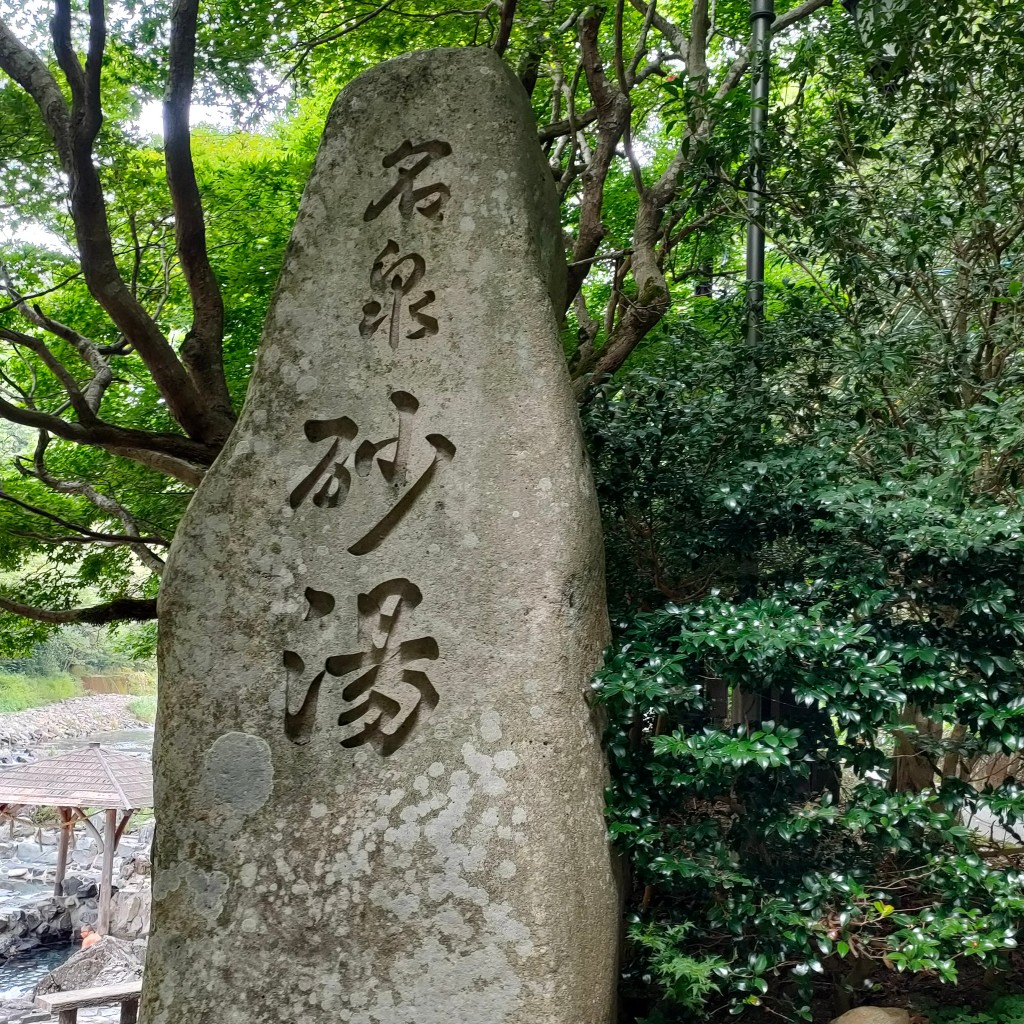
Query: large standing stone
(379, 787)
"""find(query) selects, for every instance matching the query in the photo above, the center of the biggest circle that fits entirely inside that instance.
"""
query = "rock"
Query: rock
(110, 962)
(874, 1015)
(138, 865)
(16, 1009)
(384, 606)
(79, 716)
(31, 853)
(130, 913)
(72, 885)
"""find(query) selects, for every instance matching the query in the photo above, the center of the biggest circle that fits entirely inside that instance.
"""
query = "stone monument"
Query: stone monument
(378, 782)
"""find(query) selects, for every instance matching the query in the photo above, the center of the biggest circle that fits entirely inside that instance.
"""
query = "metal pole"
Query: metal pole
(762, 14)
(746, 708)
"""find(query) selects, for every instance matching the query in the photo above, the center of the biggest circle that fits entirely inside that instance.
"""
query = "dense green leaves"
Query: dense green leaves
(816, 555)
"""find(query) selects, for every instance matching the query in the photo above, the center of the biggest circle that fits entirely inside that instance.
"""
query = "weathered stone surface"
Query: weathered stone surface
(874, 1015)
(130, 910)
(378, 783)
(109, 962)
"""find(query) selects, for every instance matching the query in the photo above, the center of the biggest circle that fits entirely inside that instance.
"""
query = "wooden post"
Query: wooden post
(107, 878)
(746, 708)
(718, 702)
(130, 1011)
(63, 841)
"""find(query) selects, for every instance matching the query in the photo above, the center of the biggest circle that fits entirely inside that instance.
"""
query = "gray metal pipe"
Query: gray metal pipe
(762, 14)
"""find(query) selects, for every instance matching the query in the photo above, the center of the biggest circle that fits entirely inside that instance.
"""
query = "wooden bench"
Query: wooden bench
(67, 1004)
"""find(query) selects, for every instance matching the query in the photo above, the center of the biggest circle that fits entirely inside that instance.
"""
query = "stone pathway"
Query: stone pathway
(80, 716)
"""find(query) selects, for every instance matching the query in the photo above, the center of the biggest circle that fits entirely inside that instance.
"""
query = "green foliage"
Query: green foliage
(816, 547)
(144, 708)
(851, 575)
(686, 980)
(126, 648)
(815, 544)
(20, 692)
(740, 830)
(1003, 1010)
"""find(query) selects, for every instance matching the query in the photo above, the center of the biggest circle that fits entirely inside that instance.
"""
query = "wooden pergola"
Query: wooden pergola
(87, 778)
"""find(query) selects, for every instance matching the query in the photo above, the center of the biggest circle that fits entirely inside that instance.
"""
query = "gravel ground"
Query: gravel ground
(80, 716)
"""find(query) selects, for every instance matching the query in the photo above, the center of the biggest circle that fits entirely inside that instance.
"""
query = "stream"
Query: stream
(130, 741)
(19, 975)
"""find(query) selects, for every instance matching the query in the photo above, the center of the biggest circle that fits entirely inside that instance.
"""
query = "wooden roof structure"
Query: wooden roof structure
(91, 778)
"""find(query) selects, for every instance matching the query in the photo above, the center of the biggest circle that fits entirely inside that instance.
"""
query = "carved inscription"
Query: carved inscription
(411, 161)
(330, 481)
(385, 688)
(393, 278)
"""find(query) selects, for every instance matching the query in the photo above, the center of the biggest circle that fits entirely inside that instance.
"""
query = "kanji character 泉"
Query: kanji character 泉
(393, 277)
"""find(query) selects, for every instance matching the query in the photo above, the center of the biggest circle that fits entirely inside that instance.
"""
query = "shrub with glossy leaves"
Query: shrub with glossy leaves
(862, 630)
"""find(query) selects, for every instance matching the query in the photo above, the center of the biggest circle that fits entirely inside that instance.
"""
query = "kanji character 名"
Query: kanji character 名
(428, 200)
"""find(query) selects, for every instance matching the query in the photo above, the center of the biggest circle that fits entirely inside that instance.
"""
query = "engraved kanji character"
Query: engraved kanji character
(394, 279)
(331, 479)
(334, 480)
(390, 694)
(427, 200)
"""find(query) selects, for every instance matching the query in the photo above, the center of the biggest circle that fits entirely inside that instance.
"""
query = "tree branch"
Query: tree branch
(558, 128)
(18, 61)
(640, 50)
(91, 396)
(798, 13)
(82, 532)
(103, 502)
(55, 366)
(613, 120)
(202, 352)
(173, 454)
(508, 14)
(60, 30)
(37, 295)
(653, 298)
(120, 610)
(671, 32)
(74, 132)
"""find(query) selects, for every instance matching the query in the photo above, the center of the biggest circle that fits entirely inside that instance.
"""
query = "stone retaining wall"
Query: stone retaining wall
(47, 920)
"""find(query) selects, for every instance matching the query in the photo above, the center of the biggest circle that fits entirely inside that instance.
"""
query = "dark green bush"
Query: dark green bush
(816, 647)
(1003, 1010)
